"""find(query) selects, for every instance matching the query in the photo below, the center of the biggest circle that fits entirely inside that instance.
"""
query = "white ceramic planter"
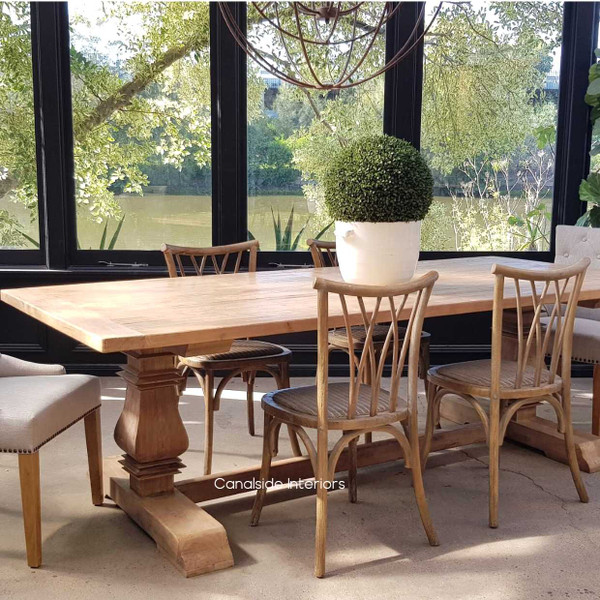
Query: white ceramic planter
(377, 253)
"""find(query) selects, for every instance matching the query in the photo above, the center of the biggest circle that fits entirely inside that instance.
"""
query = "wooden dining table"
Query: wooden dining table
(154, 321)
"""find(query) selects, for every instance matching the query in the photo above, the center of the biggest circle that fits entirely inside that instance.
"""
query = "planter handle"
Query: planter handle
(344, 230)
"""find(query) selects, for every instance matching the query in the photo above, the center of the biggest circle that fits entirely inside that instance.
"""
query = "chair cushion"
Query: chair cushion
(478, 373)
(34, 409)
(240, 350)
(339, 337)
(303, 402)
(14, 367)
(586, 339)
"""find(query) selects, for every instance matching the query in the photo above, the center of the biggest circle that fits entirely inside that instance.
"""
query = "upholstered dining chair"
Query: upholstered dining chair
(509, 385)
(572, 244)
(355, 408)
(245, 358)
(37, 403)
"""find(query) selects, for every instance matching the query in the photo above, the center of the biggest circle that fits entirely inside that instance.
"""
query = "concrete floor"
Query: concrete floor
(547, 546)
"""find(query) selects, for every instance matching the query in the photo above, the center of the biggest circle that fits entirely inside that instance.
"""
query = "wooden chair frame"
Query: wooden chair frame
(218, 257)
(29, 476)
(369, 366)
(557, 302)
(324, 254)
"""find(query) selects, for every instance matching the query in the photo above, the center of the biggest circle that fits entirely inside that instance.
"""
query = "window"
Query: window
(490, 104)
(140, 78)
(19, 225)
(291, 134)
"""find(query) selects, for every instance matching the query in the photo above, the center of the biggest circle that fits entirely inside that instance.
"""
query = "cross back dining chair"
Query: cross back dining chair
(510, 385)
(355, 408)
(324, 255)
(37, 403)
(245, 358)
(573, 243)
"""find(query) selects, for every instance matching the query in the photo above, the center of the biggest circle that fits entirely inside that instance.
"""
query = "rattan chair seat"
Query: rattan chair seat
(300, 403)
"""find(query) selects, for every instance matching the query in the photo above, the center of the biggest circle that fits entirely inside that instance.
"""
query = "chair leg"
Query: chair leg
(571, 452)
(29, 475)
(353, 455)
(596, 401)
(322, 478)
(284, 383)
(183, 381)
(419, 488)
(250, 400)
(431, 412)
(265, 469)
(494, 460)
(208, 385)
(93, 442)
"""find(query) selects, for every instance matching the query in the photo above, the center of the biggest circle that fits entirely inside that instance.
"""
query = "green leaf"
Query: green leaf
(518, 221)
(35, 243)
(250, 235)
(323, 231)
(544, 136)
(287, 234)
(115, 237)
(595, 216)
(297, 238)
(589, 189)
(276, 229)
(584, 220)
(103, 238)
(594, 88)
(597, 52)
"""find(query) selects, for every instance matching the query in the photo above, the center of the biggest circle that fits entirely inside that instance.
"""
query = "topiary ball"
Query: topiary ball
(378, 179)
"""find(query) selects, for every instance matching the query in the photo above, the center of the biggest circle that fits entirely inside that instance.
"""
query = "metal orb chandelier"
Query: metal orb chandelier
(324, 45)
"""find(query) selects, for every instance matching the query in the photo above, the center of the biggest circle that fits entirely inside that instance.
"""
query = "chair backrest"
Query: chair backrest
(323, 253)
(394, 304)
(546, 300)
(218, 258)
(573, 243)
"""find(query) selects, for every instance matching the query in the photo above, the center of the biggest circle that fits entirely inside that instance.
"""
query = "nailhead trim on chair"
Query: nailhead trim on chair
(12, 451)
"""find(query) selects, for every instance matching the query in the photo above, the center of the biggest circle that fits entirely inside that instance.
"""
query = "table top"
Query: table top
(123, 316)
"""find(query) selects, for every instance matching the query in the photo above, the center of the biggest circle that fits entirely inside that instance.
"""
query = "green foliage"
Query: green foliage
(114, 238)
(378, 179)
(531, 227)
(589, 189)
(283, 235)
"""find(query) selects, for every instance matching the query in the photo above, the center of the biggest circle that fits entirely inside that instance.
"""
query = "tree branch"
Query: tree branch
(124, 95)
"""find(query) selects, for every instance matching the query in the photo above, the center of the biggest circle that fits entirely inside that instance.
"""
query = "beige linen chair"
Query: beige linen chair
(511, 385)
(37, 403)
(245, 358)
(574, 243)
(355, 408)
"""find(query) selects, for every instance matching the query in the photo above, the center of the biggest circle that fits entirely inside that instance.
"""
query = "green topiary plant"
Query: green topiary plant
(378, 179)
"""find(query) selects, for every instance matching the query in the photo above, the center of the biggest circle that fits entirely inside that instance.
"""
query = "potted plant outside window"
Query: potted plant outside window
(378, 189)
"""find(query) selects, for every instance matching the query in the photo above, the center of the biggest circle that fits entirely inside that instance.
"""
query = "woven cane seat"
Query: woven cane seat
(241, 350)
(299, 405)
(474, 378)
(339, 337)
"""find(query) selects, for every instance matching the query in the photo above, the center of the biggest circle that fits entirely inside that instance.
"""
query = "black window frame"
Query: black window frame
(402, 116)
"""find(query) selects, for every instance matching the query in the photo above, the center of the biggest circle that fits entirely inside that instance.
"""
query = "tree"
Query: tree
(153, 102)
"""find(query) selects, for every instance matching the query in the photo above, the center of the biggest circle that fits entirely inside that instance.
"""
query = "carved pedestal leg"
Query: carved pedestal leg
(152, 434)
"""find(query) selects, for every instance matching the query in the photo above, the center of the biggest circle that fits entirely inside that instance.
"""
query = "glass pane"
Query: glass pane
(19, 226)
(291, 133)
(490, 99)
(140, 77)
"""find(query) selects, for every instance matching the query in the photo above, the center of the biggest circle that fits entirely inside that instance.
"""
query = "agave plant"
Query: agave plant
(283, 235)
(114, 238)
